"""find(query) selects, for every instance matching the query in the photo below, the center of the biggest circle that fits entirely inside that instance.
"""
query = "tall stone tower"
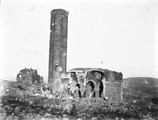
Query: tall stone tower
(58, 45)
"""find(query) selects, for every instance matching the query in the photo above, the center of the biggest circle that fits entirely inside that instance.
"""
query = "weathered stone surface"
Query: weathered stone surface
(58, 46)
(3, 116)
(29, 75)
(96, 82)
(2, 110)
(113, 91)
(90, 81)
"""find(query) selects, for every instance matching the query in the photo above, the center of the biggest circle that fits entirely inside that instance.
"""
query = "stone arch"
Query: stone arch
(77, 92)
(90, 89)
(101, 89)
(73, 76)
(92, 84)
(96, 76)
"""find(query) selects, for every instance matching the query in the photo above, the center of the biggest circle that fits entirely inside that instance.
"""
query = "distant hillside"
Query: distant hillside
(45, 79)
(140, 89)
(10, 78)
(140, 81)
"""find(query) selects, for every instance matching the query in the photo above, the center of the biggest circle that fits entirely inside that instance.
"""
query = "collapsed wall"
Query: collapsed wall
(97, 83)
(30, 76)
(113, 86)
(81, 82)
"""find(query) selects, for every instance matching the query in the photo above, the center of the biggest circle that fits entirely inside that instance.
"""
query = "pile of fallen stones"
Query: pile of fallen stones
(36, 105)
(84, 108)
(21, 102)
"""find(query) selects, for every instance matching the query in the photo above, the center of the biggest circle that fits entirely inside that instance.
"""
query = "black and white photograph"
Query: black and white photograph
(79, 60)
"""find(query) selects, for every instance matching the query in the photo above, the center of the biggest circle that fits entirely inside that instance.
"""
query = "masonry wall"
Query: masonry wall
(58, 45)
(112, 91)
(111, 81)
(112, 86)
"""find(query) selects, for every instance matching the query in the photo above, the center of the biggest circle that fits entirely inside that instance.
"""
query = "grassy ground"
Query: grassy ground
(19, 104)
(40, 108)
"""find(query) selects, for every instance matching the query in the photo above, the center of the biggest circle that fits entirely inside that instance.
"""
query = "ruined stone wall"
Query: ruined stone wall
(29, 75)
(112, 91)
(112, 86)
(98, 83)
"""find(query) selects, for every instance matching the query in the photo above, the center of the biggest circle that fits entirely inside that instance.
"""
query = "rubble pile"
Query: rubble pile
(25, 100)
(35, 105)
(22, 98)
(29, 75)
(27, 106)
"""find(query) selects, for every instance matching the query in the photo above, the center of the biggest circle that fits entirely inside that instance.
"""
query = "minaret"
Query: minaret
(58, 45)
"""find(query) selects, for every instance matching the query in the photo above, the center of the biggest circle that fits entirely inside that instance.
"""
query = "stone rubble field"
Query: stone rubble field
(19, 103)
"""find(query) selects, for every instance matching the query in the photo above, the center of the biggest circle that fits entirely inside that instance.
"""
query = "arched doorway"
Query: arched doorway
(77, 92)
(97, 77)
(101, 88)
(90, 90)
(73, 76)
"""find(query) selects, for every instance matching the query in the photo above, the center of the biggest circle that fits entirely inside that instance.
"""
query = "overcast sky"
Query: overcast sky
(120, 35)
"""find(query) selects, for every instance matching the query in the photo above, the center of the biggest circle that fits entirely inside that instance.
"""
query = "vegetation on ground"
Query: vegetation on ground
(20, 101)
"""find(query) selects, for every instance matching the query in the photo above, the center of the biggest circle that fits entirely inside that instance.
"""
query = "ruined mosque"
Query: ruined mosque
(88, 82)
